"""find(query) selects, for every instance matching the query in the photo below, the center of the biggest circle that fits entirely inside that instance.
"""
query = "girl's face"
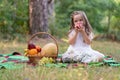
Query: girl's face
(78, 20)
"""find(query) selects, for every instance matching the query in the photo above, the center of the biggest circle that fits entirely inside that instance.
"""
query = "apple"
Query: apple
(79, 25)
(31, 46)
(38, 48)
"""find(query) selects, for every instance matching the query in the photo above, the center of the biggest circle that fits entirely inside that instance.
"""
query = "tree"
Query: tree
(39, 12)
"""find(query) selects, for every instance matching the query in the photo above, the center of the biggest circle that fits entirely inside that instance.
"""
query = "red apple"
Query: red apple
(31, 46)
(38, 48)
(77, 25)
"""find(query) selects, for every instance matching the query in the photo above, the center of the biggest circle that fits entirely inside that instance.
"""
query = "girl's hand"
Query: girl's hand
(76, 30)
(81, 28)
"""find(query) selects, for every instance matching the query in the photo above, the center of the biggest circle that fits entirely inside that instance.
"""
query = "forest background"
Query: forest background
(104, 16)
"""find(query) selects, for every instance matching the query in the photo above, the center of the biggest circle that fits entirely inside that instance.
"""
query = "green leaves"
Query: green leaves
(13, 17)
(103, 14)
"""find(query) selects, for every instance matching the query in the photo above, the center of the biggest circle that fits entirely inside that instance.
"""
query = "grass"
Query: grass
(45, 73)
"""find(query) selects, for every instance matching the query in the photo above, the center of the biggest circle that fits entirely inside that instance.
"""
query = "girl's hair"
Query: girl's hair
(88, 28)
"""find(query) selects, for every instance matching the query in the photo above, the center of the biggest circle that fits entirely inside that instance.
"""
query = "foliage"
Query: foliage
(13, 18)
(102, 14)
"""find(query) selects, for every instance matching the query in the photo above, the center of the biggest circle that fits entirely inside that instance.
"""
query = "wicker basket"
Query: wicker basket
(35, 58)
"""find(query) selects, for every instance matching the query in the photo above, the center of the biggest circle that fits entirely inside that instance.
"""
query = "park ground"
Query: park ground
(44, 73)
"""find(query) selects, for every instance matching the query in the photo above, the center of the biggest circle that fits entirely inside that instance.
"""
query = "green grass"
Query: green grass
(45, 73)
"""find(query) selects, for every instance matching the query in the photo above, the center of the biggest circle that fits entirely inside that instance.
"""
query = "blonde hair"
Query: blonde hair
(88, 28)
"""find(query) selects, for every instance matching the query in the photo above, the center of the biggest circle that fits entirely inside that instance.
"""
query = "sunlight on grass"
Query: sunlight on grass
(9, 47)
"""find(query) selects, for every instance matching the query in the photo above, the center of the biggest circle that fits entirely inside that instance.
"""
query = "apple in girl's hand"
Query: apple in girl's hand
(79, 25)
(31, 46)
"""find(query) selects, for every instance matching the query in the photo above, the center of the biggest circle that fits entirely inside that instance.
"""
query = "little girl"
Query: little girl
(80, 37)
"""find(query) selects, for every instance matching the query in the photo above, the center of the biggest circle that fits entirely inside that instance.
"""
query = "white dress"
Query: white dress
(80, 51)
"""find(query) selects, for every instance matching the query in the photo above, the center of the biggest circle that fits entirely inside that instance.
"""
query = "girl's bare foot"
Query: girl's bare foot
(85, 64)
(100, 59)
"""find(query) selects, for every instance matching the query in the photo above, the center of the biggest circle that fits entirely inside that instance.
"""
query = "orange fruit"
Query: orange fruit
(32, 51)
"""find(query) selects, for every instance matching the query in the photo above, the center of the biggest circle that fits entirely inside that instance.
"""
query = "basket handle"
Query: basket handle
(44, 33)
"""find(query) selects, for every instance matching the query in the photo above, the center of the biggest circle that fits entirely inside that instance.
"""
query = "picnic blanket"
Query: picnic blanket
(12, 60)
(15, 61)
(107, 61)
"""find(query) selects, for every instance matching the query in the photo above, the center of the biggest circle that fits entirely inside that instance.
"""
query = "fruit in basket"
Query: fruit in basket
(31, 46)
(46, 60)
(38, 48)
(25, 52)
(32, 51)
(49, 50)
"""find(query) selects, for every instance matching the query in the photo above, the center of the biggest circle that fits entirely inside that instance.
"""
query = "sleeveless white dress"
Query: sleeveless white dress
(80, 51)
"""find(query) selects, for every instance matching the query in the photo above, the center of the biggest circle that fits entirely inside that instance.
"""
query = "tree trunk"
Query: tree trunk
(109, 18)
(38, 15)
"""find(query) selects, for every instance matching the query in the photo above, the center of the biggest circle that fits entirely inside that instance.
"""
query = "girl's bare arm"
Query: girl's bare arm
(84, 34)
(85, 37)
(72, 39)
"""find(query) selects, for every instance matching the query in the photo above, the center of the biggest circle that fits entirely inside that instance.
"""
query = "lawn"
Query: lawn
(45, 73)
